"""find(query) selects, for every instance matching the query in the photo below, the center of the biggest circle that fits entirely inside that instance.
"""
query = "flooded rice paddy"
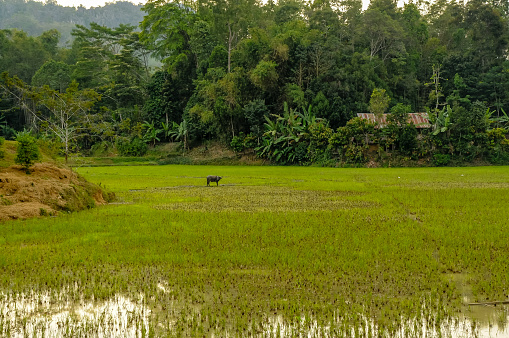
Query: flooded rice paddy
(54, 315)
(272, 252)
(51, 314)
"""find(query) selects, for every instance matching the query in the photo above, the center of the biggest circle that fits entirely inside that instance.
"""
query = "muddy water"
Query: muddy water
(490, 320)
(55, 315)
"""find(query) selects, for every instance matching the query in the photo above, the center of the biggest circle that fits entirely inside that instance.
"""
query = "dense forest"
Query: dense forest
(35, 18)
(283, 79)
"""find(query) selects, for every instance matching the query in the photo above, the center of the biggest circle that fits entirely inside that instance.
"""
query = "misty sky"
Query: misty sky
(97, 3)
(89, 3)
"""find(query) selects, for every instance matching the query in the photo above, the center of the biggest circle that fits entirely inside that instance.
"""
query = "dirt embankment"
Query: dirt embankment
(48, 190)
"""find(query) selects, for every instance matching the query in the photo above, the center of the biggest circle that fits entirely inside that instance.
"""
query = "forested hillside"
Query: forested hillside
(34, 17)
(285, 79)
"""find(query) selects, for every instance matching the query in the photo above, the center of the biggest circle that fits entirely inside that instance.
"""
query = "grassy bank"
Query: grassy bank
(329, 250)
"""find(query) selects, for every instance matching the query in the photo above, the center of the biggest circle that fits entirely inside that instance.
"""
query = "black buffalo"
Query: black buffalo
(213, 179)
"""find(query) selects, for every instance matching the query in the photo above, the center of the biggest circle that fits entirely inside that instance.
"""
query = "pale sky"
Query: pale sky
(98, 3)
(89, 3)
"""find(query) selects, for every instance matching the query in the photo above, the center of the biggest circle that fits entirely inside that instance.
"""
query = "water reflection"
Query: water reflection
(276, 326)
(56, 314)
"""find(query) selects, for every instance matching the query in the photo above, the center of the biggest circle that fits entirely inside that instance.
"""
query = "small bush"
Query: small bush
(251, 141)
(499, 155)
(133, 147)
(99, 148)
(441, 160)
(237, 143)
(28, 151)
(356, 154)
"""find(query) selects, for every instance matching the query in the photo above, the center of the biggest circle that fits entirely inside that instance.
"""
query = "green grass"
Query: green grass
(333, 245)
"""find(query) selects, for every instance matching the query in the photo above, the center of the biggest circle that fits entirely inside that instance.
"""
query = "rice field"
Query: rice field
(271, 251)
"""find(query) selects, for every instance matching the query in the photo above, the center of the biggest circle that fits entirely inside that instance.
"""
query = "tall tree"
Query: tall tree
(166, 30)
(60, 112)
(231, 20)
(55, 74)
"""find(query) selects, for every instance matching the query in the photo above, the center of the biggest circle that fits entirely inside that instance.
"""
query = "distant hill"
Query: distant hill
(36, 17)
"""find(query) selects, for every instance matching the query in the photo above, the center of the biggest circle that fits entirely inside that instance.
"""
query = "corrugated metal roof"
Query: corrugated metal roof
(420, 120)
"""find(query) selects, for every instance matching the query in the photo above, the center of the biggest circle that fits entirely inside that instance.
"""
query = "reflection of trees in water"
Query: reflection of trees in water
(55, 314)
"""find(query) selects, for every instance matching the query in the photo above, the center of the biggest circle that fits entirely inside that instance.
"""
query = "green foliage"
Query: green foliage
(2, 153)
(442, 122)
(166, 28)
(499, 155)
(151, 133)
(49, 145)
(500, 120)
(131, 147)
(56, 75)
(498, 146)
(265, 75)
(6, 130)
(399, 132)
(496, 137)
(180, 132)
(37, 18)
(22, 55)
(441, 160)
(27, 153)
(352, 141)
(379, 102)
(286, 138)
(237, 143)
(318, 149)
(407, 139)
(227, 66)
(255, 113)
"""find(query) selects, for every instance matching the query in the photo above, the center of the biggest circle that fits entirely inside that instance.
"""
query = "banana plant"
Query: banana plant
(286, 136)
(151, 133)
(180, 132)
(442, 122)
(499, 120)
(167, 127)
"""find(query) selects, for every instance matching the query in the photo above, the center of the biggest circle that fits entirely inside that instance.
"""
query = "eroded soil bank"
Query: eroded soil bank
(47, 190)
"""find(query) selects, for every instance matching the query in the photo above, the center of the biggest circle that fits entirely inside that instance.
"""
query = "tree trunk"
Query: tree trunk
(231, 37)
(231, 122)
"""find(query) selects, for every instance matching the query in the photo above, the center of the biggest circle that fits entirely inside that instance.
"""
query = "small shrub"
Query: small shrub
(356, 154)
(301, 152)
(251, 141)
(27, 152)
(407, 139)
(495, 137)
(133, 147)
(319, 149)
(99, 148)
(499, 155)
(441, 160)
(237, 143)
